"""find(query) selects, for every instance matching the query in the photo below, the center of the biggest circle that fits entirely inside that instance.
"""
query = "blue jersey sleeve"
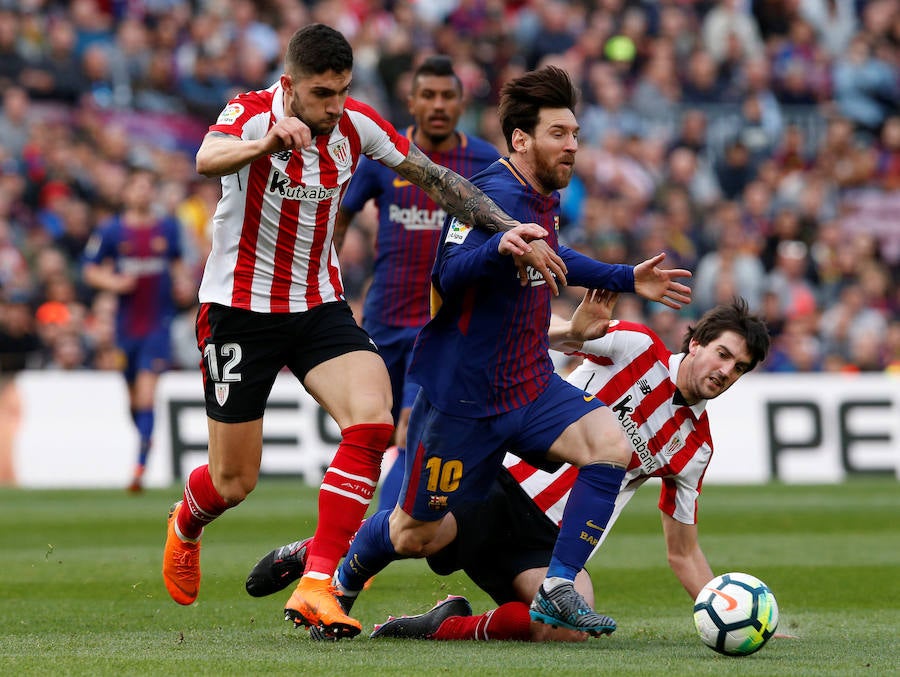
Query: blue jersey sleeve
(102, 244)
(475, 257)
(363, 186)
(173, 235)
(587, 272)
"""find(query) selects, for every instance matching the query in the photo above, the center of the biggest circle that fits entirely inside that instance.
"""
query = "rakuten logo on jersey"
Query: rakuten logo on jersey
(413, 218)
(281, 185)
(535, 278)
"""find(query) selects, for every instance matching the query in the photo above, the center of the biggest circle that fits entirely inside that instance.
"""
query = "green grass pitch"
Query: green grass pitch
(81, 593)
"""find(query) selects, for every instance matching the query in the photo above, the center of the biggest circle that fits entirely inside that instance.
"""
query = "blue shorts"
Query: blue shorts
(457, 459)
(152, 352)
(395, 346)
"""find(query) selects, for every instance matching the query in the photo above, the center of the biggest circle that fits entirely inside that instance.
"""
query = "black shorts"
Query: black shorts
(243, 351)
(498, 539)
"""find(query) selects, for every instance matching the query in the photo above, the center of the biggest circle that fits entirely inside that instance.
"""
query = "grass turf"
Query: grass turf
(81, 593)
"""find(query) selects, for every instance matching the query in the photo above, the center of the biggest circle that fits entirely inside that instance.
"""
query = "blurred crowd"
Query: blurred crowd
(757, 143)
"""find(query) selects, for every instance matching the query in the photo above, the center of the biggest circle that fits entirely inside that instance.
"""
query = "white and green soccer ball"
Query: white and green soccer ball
(735, 614)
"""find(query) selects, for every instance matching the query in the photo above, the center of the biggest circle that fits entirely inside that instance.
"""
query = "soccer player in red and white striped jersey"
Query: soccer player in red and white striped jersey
(272, 297)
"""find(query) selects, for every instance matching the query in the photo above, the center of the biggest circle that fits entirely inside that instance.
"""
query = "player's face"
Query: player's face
(318, 100)
(140, 191)
(713, 368)
(553, 147)
(436, 105)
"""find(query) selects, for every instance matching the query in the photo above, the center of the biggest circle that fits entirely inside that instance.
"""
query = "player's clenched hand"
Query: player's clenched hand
(545, 261)
(656, 284)
(289, 133)
(515, 241)
(525, 245)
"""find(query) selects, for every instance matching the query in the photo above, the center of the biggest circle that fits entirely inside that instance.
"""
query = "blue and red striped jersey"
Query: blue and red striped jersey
(145, 253)
(486, 350)
(409, 228)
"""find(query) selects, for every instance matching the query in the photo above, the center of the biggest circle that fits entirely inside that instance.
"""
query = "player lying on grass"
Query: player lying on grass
(504, 543)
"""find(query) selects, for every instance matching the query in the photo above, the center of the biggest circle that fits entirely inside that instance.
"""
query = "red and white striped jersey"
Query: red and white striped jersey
(634, 374)
(272, 231)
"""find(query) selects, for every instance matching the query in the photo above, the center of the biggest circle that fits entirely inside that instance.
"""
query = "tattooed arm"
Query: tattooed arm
(469, 204)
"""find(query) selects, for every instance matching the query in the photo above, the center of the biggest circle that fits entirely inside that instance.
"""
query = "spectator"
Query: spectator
(15, 122)
(12, 63)
(834, 22)
(20, 345)
(865, 86)
(702, 83)
(800, 68)
(56, 74)
(887, 155)
(729, 270)
(847, 322)
(726, 21)
(788, 281)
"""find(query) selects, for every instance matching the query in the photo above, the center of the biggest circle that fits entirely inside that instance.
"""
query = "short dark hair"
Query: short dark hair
(316, 49)
(437, 65)
(522, 99)
(736, 317)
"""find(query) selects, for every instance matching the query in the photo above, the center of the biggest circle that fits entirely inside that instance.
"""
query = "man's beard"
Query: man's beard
(552, 177)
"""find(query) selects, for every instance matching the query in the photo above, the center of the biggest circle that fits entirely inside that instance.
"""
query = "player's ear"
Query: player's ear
(520, 141)
(287, 84)
(693, 346)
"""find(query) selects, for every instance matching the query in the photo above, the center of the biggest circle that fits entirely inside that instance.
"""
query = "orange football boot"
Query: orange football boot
(181, 564)
(316, 604)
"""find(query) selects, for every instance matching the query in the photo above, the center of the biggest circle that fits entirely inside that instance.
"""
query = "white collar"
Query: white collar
(674, 365)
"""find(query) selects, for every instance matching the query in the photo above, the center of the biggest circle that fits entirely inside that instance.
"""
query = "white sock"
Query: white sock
(550, 583)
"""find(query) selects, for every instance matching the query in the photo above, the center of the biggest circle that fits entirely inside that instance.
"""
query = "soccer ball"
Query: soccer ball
(735, 614)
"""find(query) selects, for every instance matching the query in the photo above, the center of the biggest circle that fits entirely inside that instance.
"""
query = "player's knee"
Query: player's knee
(610, 448)
(410, 538)
(235, 488)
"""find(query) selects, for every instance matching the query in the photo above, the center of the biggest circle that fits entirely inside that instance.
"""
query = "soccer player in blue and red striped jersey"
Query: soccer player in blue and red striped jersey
(487, 380)
(409, 229)
(137, 256)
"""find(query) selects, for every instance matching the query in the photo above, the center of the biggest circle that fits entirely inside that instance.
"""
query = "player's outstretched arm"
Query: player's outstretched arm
(470, 205)
(656, 284)
(685, 556)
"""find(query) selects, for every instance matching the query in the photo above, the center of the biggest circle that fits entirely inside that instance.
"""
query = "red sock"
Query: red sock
(202, 502)
(510, 621)
(346, 492)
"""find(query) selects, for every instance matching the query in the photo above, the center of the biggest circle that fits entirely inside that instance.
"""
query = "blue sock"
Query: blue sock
(143, 419)
(370, 552)
(592, 499)
(390, 486)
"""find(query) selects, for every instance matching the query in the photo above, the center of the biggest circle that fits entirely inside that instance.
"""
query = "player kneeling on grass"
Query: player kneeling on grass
(505, 542)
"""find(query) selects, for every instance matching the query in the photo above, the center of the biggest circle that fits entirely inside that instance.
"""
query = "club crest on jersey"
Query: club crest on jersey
(222, 390)
(674, 445)
(457, 232)
(231, 113)
(340, 151)
(437, 502)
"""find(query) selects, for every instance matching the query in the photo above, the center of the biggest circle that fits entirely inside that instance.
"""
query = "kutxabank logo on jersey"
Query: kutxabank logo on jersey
(623, 410)
(281, 185)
